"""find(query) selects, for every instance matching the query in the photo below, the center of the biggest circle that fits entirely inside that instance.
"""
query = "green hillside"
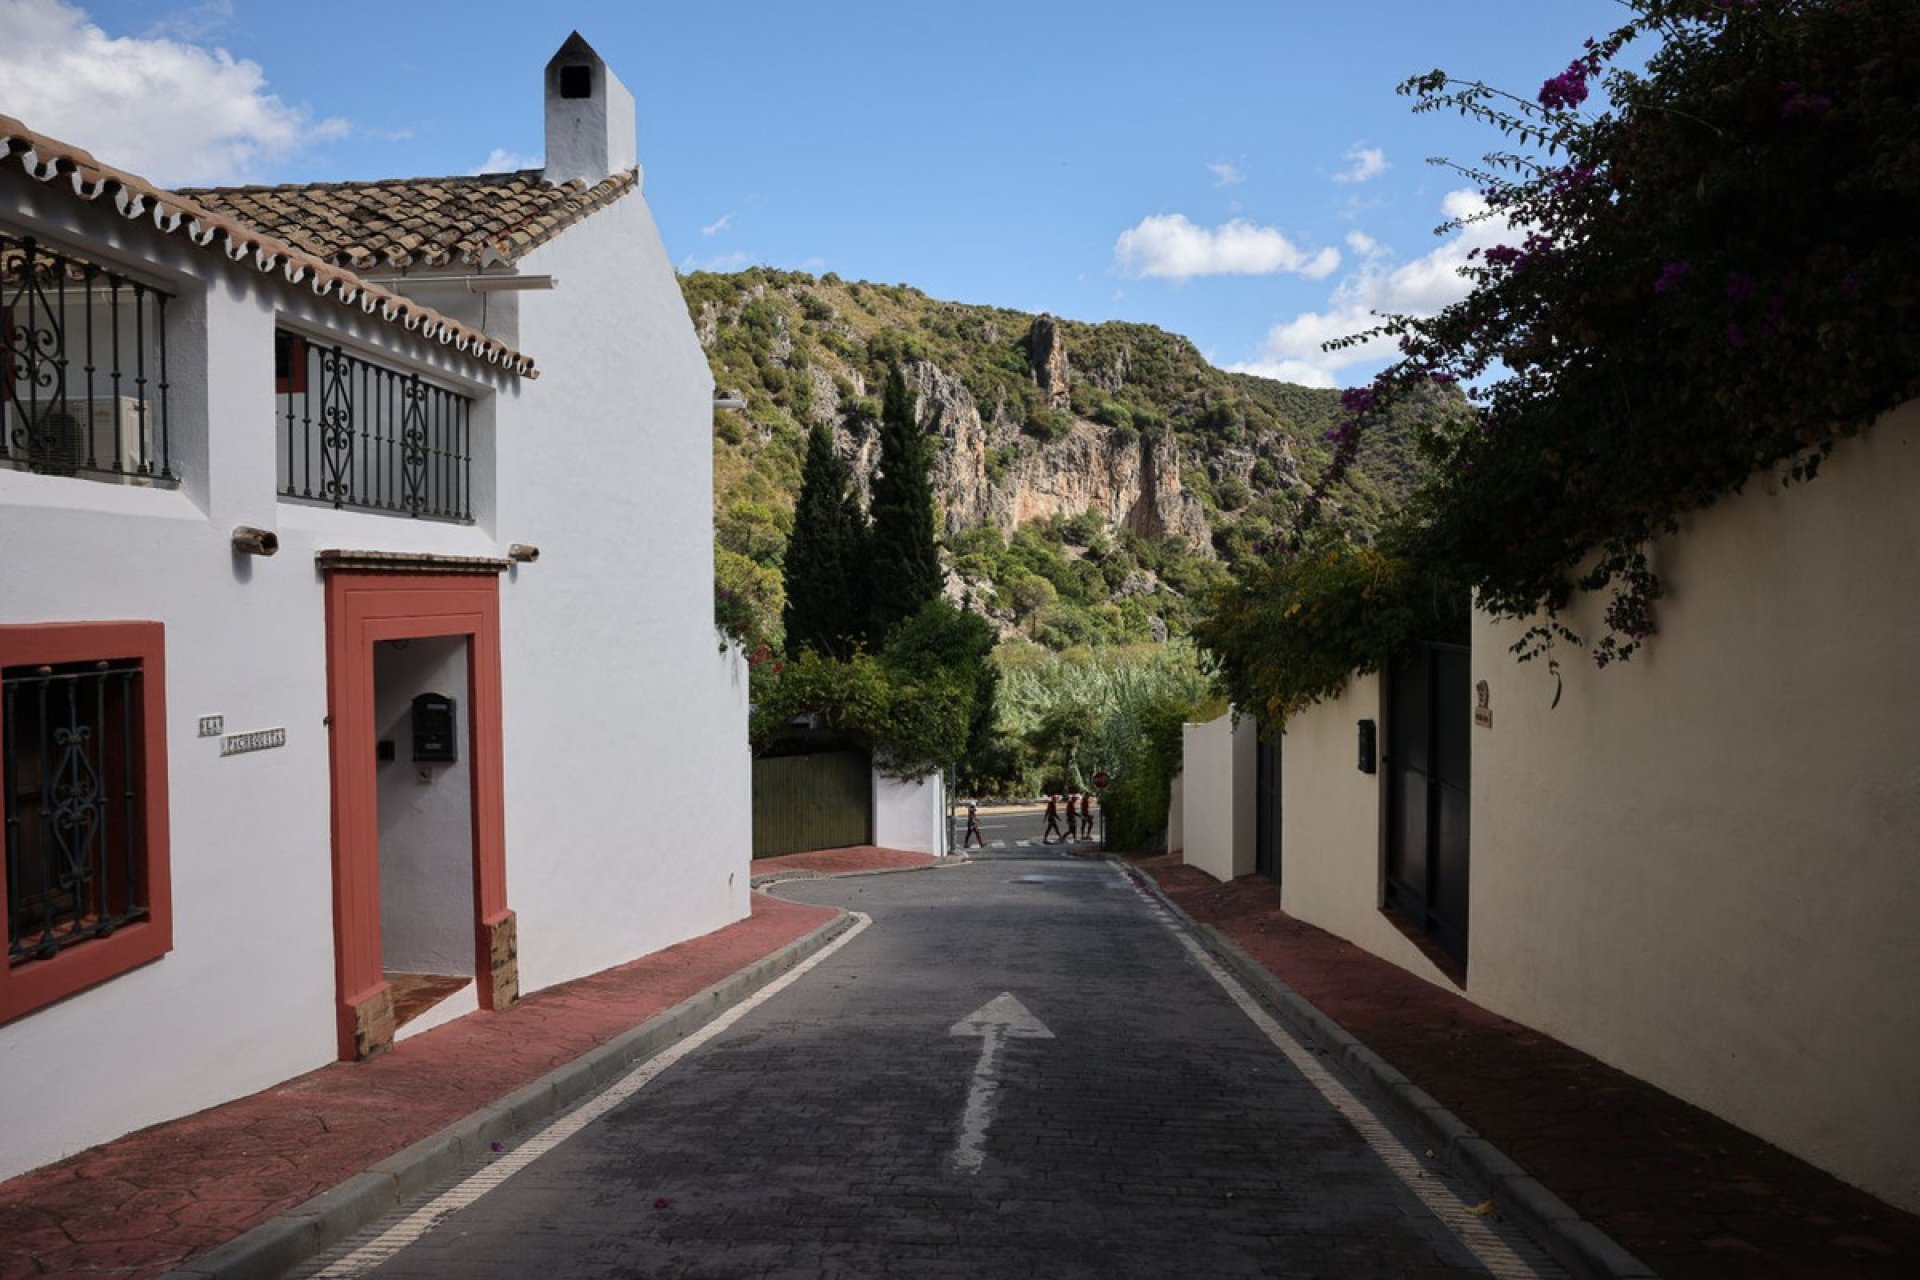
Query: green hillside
(1187, 468)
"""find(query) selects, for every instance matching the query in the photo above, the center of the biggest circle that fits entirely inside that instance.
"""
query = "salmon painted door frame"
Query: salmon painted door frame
(364, 608)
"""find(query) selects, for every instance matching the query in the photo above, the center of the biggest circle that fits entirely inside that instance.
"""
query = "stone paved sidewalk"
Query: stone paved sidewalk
(1687, 1193)
(140, 1205)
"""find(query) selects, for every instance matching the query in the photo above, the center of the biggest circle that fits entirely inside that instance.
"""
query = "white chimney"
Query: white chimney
(590, 129)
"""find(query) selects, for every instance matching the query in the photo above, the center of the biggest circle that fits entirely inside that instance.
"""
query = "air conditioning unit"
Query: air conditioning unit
(106, 437)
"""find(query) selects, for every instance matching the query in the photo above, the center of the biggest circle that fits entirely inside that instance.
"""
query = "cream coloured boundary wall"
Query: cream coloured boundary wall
(910, 815)
(1704, 866)
(1217, 798)
(1701, 866)
(1330, 815)
(626, 766)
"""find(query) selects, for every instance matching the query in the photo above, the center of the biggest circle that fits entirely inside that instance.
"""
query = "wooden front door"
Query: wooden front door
(1428, 764)
(1266, 810)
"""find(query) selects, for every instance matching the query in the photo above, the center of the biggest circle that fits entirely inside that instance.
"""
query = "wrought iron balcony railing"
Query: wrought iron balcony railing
(357, 434)
(83, 367)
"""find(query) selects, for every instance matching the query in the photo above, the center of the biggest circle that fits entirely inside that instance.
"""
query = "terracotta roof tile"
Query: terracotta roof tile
(402, 223)
(47, 160)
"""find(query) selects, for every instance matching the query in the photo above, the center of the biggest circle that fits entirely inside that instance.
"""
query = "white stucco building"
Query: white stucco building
(467, 732)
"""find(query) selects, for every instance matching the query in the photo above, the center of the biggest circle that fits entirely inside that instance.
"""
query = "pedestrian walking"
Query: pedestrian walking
(1086, 815)
(1053, 821)
(973, 835)
(1073, 804)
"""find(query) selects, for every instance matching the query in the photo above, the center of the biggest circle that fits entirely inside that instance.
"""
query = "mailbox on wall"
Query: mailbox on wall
(434, 738)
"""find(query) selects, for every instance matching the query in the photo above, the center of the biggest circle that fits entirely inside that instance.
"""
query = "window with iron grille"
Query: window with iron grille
(83, 368)
(85, 894)
(355, 433)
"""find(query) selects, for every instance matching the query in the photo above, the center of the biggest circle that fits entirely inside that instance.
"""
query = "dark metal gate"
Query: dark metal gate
(818, 801)
(1429, 757)
(1266, 809)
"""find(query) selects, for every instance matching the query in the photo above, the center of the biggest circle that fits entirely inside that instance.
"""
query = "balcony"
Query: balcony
(355, 434)
(83, 368)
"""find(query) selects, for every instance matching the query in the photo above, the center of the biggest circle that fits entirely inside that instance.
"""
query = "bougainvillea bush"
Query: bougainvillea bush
(1712, 272)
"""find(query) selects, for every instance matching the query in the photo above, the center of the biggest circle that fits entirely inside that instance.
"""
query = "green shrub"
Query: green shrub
(1048, 424)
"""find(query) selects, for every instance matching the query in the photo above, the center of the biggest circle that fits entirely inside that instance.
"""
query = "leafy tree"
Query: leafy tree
(942, 640)
(906, 557)
(1715, 275)
(826, 560)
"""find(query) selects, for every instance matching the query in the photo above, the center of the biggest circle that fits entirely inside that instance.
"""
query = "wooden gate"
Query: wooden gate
(1429, 759)
(820, 801)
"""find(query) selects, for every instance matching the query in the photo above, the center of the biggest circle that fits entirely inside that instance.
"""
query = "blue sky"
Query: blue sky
(1242, 173)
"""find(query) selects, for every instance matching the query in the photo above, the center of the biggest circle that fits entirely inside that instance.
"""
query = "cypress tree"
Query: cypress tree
(826, 571)
(905, 556)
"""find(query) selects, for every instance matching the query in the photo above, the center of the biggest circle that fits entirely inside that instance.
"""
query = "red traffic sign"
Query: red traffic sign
(1100, 780)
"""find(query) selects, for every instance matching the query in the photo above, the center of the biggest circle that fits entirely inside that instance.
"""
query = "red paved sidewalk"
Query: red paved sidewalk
(1687, 1193)
(831, 862)
(142, 1204)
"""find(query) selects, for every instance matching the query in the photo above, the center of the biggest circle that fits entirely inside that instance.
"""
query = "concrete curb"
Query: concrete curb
(806, 873)
(1579, 1246)
(284, 1242)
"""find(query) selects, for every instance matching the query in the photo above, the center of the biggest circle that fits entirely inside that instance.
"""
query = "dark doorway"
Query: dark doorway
(1429, 756)
(1266, 808)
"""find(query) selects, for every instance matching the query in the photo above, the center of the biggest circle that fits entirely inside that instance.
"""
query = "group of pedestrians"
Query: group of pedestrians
(1082, 823)
(1079, 816)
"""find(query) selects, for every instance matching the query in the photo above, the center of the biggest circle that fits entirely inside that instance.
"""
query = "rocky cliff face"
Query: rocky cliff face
(986, 470)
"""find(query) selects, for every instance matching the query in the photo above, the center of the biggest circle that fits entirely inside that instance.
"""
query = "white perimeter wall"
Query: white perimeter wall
(1217, 800)
(1704, 866)
(910, 815)
(1330, 826)
(1701, 867)
(627, 773)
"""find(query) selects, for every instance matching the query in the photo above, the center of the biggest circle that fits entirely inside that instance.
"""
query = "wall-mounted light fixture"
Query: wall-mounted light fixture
(248, 540)
(521, 553)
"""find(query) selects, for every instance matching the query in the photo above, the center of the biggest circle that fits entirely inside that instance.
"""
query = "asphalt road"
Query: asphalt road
(1017, 1068)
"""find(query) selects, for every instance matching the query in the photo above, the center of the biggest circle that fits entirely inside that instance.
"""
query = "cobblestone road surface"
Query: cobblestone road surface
(1157, 1133)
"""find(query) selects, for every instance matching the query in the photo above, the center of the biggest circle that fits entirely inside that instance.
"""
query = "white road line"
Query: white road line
(417, 1224)
(1500, 1258)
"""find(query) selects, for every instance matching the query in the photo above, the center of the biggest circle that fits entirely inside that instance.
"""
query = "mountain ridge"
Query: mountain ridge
(1108, 461)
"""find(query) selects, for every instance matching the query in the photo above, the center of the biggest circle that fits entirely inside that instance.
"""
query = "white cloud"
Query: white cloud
(164, 108)
(196, 23)
(1422, 287)
(501, 160)
(1169, 247)
(1225, 174)
(718, 225)
(1363, 163)
(717, 262)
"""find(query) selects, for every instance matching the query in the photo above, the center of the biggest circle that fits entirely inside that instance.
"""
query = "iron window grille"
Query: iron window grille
(74, 804)
(83, 368)
(358, 434)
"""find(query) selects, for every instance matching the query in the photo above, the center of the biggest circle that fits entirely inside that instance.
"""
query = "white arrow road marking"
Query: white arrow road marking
(995, 1022)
